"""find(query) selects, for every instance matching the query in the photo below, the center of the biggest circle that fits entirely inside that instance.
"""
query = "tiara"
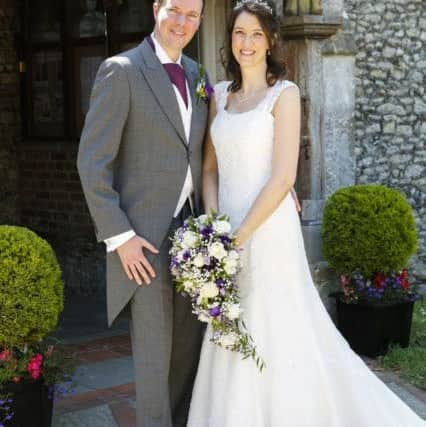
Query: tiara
(261, 3)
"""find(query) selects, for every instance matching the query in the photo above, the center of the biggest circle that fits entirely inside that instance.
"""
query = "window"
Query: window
(64, 42)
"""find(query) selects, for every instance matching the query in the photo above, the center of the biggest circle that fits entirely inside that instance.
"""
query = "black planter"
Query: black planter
(30, 405)
(371, 328)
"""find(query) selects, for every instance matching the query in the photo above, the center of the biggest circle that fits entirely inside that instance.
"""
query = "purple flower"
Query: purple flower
(206, 232)
(186, 255)
(212, 265)
(219, 282)
(225, 240)
(359, 284)
(209, 90)
(358, 276)
(215, 311)
(174, 262)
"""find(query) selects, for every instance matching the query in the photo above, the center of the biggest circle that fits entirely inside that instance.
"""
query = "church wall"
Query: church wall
(390, 116)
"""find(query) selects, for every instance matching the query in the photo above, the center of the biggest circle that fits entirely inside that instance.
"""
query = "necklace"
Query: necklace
(241, 99)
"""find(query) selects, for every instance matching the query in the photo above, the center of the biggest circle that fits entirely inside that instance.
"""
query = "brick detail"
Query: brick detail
(51, 197)
(9, 115)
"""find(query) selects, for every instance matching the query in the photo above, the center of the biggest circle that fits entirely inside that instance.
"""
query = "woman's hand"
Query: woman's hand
(241, 237)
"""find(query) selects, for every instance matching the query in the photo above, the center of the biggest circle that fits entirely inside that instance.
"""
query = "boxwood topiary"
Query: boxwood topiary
(368, 228)
(31, 287)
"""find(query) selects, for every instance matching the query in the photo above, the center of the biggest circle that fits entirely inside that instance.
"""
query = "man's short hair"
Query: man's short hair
(160, 2)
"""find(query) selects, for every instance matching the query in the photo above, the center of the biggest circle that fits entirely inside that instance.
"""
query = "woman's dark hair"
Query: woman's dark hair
(270, 25)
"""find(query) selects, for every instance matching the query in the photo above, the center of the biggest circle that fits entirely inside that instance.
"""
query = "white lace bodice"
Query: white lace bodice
(243, 143)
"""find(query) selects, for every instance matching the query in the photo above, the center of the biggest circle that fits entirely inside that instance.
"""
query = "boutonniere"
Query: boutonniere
(204, 88)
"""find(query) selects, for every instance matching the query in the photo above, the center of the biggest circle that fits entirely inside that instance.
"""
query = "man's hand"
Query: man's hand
(134, 262)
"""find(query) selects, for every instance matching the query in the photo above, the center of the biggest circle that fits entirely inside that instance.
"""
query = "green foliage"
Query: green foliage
(410, 362)
(31, 288)
(369, 229)
(57, 365)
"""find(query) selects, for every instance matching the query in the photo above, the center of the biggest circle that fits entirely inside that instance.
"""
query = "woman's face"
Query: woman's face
(249, 41)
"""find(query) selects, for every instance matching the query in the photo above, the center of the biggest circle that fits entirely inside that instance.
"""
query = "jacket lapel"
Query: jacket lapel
(162, 88)
(192, 78)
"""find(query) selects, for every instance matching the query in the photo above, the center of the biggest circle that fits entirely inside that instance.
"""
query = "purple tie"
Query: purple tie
(176, 74)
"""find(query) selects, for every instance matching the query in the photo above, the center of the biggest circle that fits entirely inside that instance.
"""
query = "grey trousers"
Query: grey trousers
(166, 341)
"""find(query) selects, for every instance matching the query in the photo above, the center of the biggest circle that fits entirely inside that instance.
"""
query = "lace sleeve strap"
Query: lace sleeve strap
(220, 93)
(276, 91)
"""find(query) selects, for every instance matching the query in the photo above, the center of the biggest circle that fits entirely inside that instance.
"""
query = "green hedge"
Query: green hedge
(31, 288)
(368, 228)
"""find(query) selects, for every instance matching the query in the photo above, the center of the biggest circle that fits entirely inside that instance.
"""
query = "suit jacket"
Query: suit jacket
(133, 155)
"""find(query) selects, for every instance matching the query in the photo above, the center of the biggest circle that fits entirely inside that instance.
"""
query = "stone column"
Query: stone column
(9, 113)
(320, 56)
(213, 34)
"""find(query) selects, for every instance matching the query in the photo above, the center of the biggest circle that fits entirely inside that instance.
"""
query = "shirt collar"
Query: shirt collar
(162, 54)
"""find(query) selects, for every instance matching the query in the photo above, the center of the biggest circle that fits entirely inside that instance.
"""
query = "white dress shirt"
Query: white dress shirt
(114, 242)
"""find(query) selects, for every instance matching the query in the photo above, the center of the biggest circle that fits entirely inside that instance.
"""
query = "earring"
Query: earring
(268, 52)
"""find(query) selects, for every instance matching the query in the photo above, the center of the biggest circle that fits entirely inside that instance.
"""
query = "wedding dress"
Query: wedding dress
(312, 377)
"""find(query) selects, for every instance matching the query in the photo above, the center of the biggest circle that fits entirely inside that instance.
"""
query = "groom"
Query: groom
(140, 167)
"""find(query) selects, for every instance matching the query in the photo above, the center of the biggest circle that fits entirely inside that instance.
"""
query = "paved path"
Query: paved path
(105, 391)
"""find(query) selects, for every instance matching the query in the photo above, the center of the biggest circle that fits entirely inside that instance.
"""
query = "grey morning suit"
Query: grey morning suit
(133, 159)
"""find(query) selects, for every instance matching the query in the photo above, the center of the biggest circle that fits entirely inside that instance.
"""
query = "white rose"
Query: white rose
(189, 239)
(233, 311)
(187, 285)
(217, 251)
(222, 227)
(234, 255)
(203, 318)
(230, 270)
(229, 340)
(209, 290)
(230, 266)
(202, 219)
(198, 261)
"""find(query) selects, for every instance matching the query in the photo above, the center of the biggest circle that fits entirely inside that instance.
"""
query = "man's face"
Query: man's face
(176, 22)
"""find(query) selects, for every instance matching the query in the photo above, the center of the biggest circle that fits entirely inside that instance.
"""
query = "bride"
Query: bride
(312, 377)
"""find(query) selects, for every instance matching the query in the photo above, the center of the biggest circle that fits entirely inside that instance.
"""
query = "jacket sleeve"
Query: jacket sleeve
(99, 144)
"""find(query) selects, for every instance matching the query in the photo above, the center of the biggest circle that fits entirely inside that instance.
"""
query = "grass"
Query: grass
(410, 363)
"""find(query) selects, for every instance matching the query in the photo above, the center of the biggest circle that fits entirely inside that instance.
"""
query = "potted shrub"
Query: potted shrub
(31, 299)
(368, 235)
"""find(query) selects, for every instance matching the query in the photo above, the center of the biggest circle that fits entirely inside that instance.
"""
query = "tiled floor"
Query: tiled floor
(103, 385)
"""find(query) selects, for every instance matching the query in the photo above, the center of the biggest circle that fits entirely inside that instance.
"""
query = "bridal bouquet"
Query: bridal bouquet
(204, 263)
